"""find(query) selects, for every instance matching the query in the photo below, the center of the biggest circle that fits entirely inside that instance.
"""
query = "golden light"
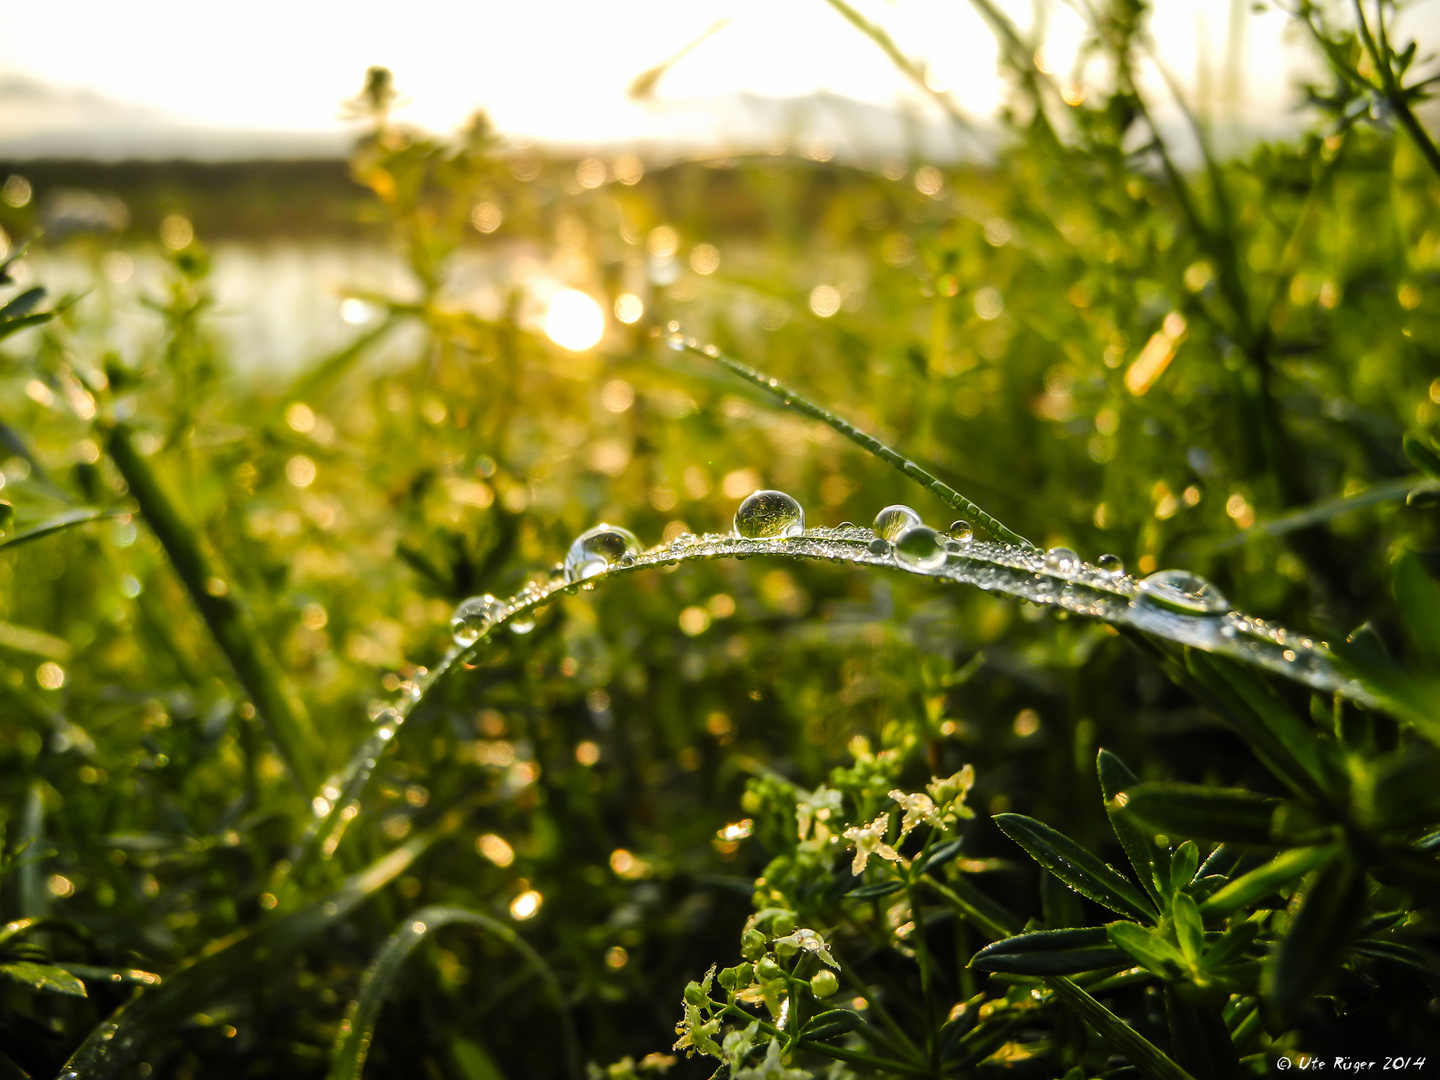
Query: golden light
(629, 308)
(574, 320)
(825, 300)
(526, 905)
(495, 849)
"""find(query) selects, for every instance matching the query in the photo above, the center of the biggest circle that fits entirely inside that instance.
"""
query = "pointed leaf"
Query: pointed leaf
(1320, 936)
(831, 1023)
(1417, 595)
(1262, 881)
(14, 326)
(23, 303)
(47, 977)
(1052, 952)
(1226, 814)
(1288, 745)
(1189, 929)
(1423, 455)
(1076, 867)
(357, 1032)
(1149, 949)
(69, 519)
(1116, 782)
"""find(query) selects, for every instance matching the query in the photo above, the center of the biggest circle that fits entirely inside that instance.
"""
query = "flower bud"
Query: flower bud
(824, 983)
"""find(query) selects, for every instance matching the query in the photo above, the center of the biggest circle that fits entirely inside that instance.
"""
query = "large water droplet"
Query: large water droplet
(769, 513)
(920, 546)
(1062, 560)
(473, 617)
(1112, 565)
(1182, 591)
(894, 520)
(879, 547)
(596, 550)
(962, 530)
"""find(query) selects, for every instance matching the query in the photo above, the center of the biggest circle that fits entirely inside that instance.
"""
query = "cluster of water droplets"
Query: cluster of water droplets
(1174, 604)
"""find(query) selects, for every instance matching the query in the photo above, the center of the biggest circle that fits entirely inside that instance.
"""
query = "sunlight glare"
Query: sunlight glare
(574, 320)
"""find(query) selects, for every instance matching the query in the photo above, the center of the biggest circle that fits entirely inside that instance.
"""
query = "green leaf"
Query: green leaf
(1189, 928)
(1076, 867)
(1423, 455)
(113, 1048)
(55, 980)
(68, 520)
(1417, 596)
(1287, 744)
(1149, 949)
(472, 1060)
(831, 1023)
(1231, 945)
(1395, 953)
(870, 892)
(1320, 936)
(938, 856)
(357, 1031)
(14, 326)
(1229, 815)
(1116, 782)
(1183, 865)
(1124, 1039)
(1406, 792)
(1052, 952)
(1264, 880)
(22, 303)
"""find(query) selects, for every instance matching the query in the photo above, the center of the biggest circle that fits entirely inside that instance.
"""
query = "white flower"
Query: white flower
(816, 809)
(870, 840)
(771, 1068)
(811, 942)
(949, 794)
(918, 809)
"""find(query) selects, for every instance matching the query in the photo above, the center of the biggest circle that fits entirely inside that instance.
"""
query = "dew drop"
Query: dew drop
(919, 546)
(1062, 560)
(769, 513)
(1112, 565)
(676, 341)
(894, 520)
(1182, 591)
(954, 547)
(597, 550)
(961, 530)
(522, 624)
(879, 546)
(473, 617)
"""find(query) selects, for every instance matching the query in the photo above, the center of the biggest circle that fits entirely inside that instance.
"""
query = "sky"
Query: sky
(554, 71)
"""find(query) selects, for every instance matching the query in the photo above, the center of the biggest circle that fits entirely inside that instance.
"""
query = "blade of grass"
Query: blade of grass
(357, 1030)
(1140, 1051)
(113, 1048)
(59, 523)
(227, 617)
(802, 405)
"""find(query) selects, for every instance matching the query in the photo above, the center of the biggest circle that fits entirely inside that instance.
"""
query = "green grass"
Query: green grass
(242, 762)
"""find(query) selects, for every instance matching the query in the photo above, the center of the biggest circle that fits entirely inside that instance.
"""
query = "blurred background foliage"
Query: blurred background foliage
(1209, 365)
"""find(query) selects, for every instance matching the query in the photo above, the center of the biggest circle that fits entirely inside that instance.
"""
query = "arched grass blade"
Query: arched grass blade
(358, 1028)
(113, 1048)
(68, 520)
(801, 404)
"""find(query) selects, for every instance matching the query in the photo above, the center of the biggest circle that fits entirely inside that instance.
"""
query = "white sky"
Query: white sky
(557, 70)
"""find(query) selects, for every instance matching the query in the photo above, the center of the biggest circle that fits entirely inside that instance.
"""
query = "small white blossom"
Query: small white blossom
(949, 794)
(816, 809)
(918, 809)
(870, 840)
(811, 942)
(771, 1068)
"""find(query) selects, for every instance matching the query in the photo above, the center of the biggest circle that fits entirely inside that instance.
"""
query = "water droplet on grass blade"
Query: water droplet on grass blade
(1062, 560)
(1182, 591)
(879, 546)
(769, 513)
(597, 550)
(894, 520)
(962, 530)
(473, 617)
(920, 546)
(1112, 565)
